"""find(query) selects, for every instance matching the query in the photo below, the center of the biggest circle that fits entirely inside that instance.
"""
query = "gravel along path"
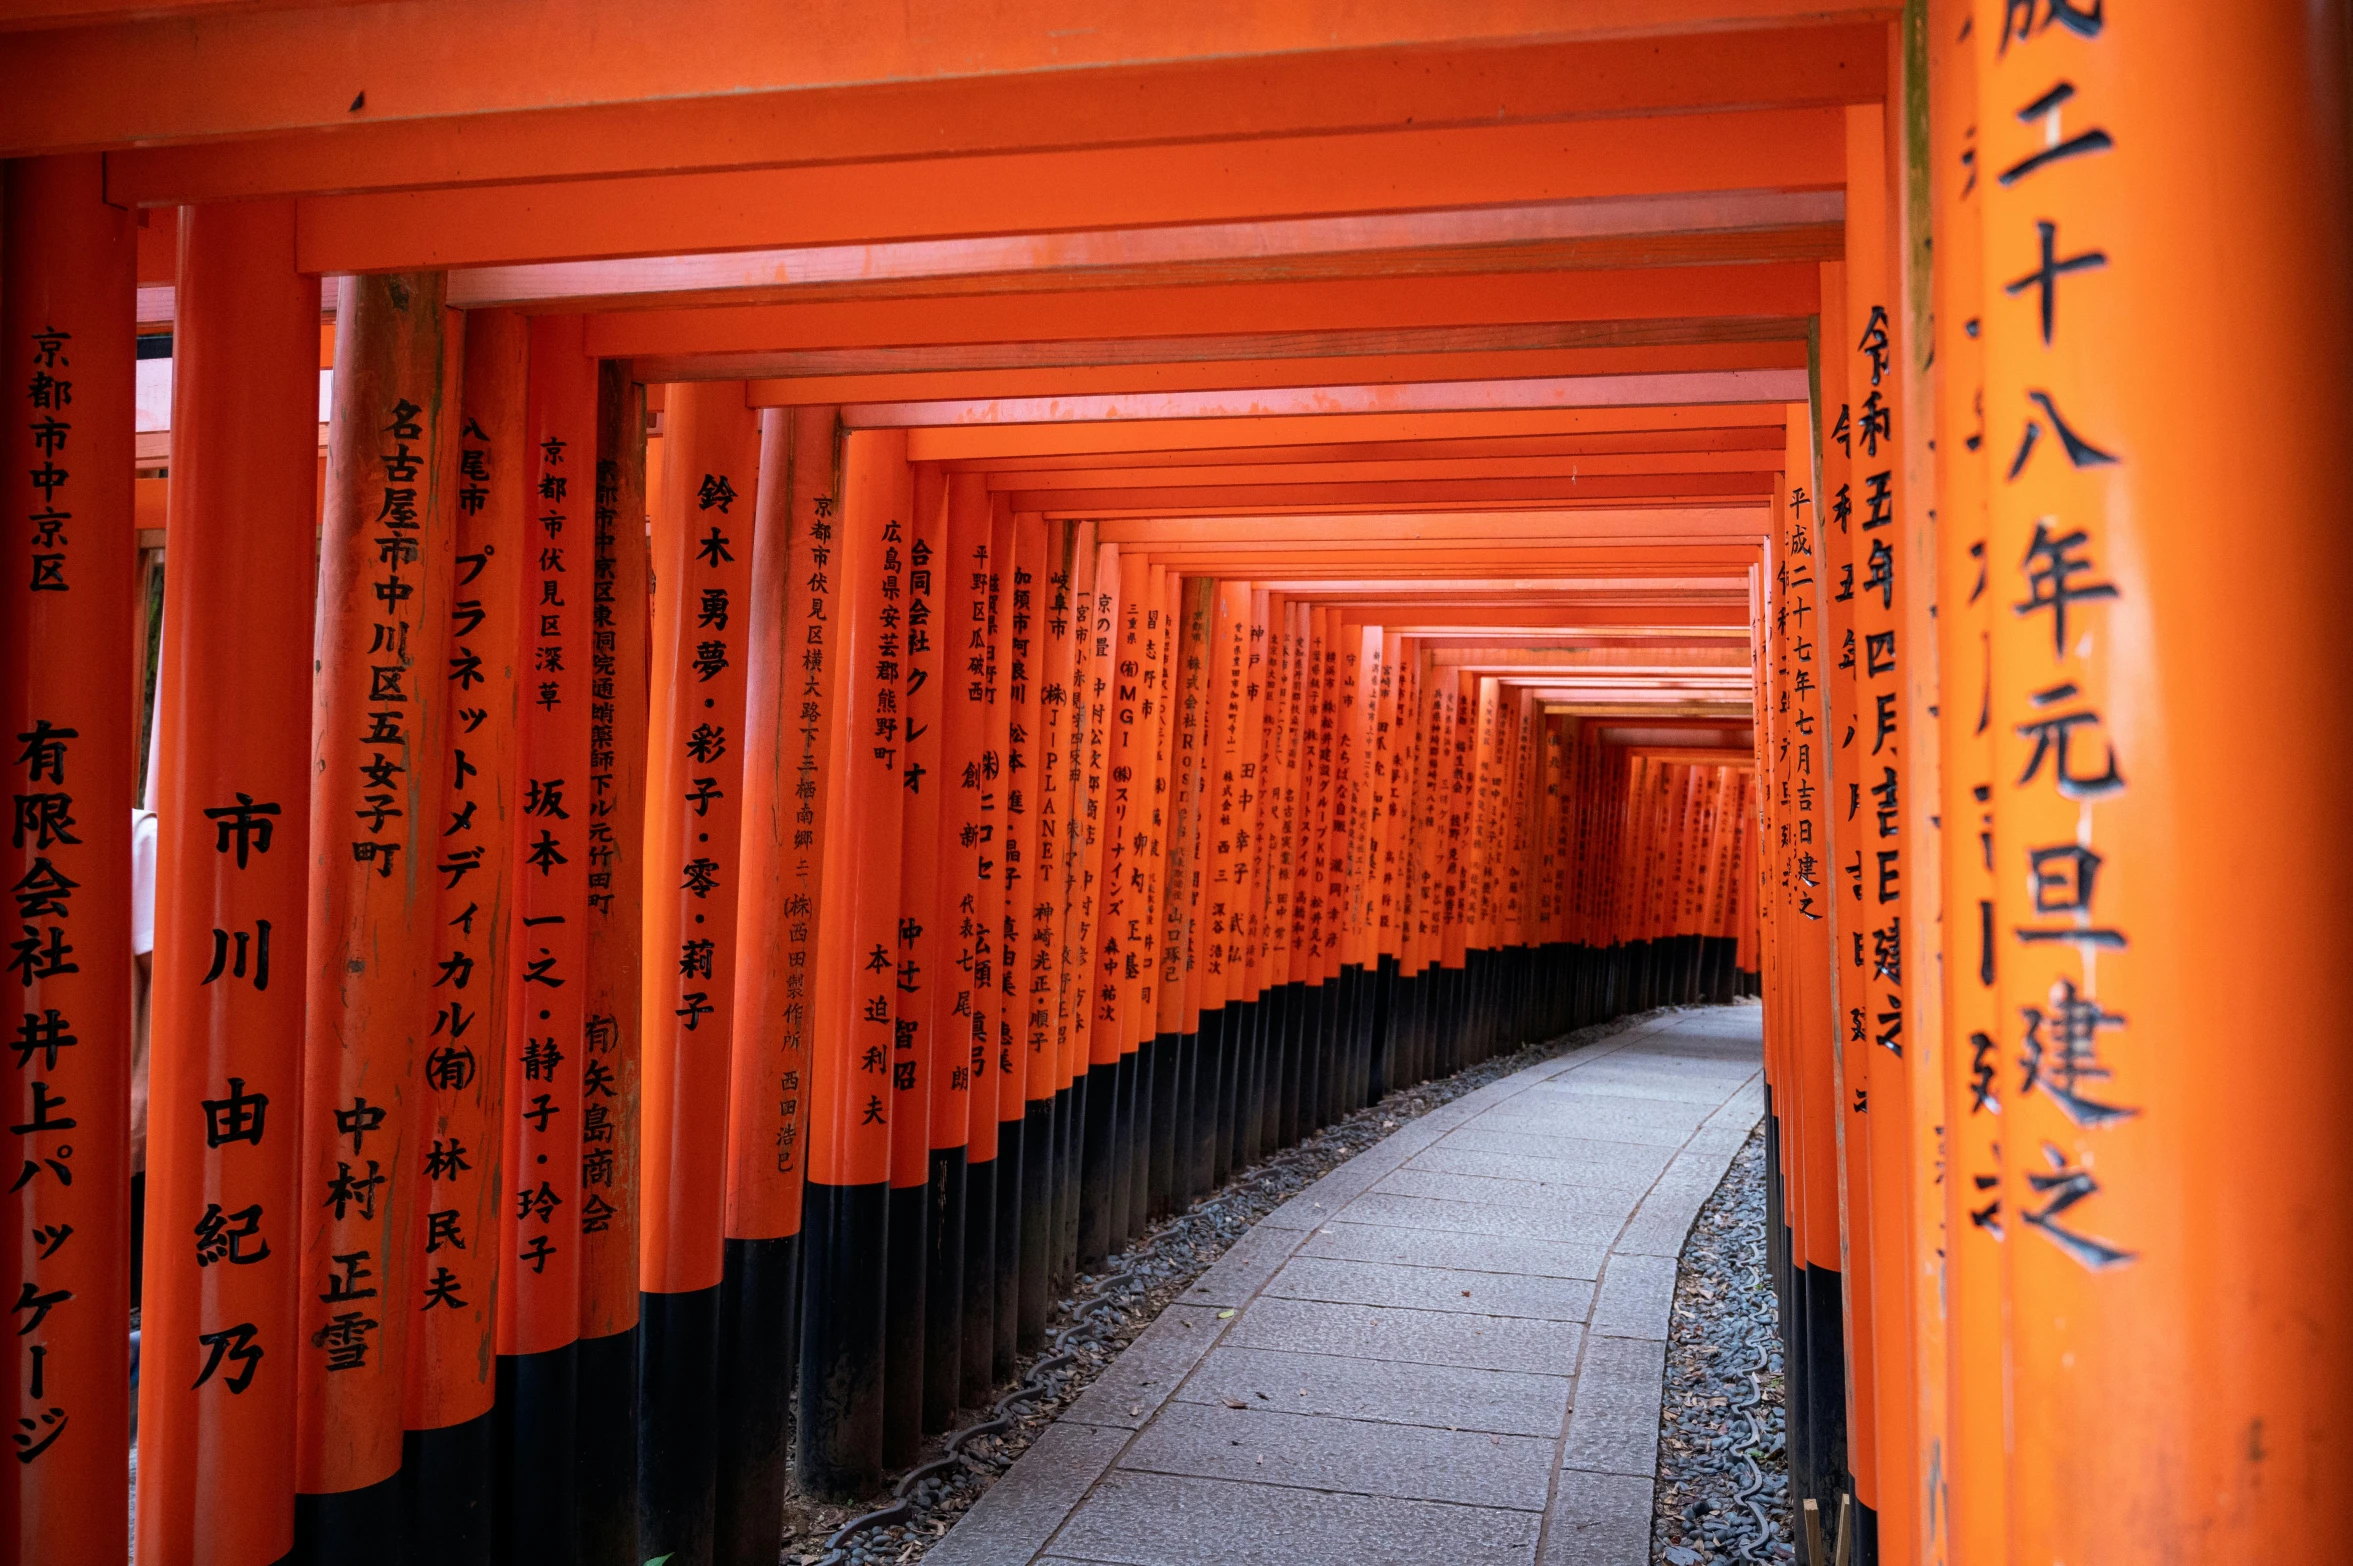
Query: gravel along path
(1152, 1272)
(1723, 1480)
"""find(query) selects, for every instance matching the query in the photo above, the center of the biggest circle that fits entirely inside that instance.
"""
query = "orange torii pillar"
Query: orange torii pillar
(546, 994)
(1329, 869)
(224, 1206)
(2166, 216)
(1294, 873)
(1277, 779)
(377, 722)
(1143, 610)
(787, 655)
(1365, 802)
(448, 1461)
(1359, 647)
(1392, 759)
(1872, 841)
(996, 895)
(934, 665)
(1483, 694)
(1446, 905)
(1845, 1453)
(1342, 646)
(706, 525)
(967, 828)
(1103, 1171)
(1418, 961)
(67, 300)
(792, 665)
(1181, 953)
(918, 1178)
(1165, 1014)
(1033, 890)
(1006, 1095)
(610, 1068)
(1052, 786)
(1221, 905)
(1283, 902)
(838, 1450)
(1974, 1465)
(1248, 922)
(1083, 771)
(1798, 747)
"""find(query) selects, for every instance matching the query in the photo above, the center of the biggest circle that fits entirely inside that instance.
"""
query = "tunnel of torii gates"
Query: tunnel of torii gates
(790, 677)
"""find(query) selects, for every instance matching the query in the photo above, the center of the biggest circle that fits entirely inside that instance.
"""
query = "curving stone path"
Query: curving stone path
(1448, 1349)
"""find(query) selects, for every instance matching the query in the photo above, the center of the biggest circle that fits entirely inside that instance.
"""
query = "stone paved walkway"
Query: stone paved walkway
(1447, 1350)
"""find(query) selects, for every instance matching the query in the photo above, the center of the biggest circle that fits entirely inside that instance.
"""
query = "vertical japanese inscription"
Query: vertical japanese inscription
(459, 1138)
(2052, 471)
(539, 1293)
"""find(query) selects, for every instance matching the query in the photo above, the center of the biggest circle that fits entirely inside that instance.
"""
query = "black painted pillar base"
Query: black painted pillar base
(538, 1485)
(1208, 1086)
(1293, 1009)
(753, 1379)
(1166, 1052)
(943, 1289)
(1005, 1319)
(678, 1422)
(1249, 1051)
(906, 1278)
(1864, 1520)
(1070, 1125)
(1232, 1040)
(1183, 1106)
(362, 1526)
(1097, 1180)
(1038, 1154)
(1139, 1150)
(1120, 1170)
(979, 1332)
(445, 1479)
(837, 1445)
(606, 1450)
(1826, 1382)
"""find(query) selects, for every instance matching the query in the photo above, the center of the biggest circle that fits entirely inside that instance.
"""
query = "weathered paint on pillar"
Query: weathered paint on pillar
(378, 714)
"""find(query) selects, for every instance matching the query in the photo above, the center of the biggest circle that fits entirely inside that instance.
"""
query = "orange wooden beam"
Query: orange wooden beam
(1682, 304)
(637, 109)
(1114, 375)
(983, 442)
(1027, 192)
(1640, 442)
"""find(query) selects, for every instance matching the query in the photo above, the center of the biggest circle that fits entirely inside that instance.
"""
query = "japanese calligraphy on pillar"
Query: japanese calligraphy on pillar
(2053, 472)
(539, 1292)
(617, 718)
(1029, 904)
(1049, 676)
(915, 1028)
(858, 958)
(810, 660)
(459, 1137)
(1800, 759)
